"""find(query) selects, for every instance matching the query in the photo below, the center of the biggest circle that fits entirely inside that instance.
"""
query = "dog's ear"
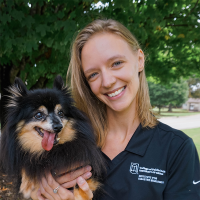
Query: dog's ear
(19, 88)
(58, 83)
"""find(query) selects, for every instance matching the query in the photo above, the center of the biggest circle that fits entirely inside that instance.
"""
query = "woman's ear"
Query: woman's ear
(140, 60)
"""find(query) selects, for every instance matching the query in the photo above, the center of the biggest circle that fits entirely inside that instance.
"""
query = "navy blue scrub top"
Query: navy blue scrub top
(158, 164)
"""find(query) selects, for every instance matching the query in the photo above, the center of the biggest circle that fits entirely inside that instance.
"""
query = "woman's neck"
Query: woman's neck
(124, 123)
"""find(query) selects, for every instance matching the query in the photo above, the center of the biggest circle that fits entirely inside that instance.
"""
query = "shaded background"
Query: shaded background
(35, 36)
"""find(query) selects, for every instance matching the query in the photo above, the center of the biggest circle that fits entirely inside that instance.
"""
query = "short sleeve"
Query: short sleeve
(183, 172)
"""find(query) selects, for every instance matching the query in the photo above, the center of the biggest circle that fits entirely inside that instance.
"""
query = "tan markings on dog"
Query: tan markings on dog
(67, 134)
(57, 108)
(20, 125)
(27, 186)
(29, 138)
(43, 109)
(81, 195)
(93, 184)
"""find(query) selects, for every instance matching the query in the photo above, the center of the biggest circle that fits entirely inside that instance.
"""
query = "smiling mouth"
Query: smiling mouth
(116, 92)
(41, 133)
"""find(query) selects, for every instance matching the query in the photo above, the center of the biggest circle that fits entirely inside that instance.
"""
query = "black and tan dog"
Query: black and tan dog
(45, 132)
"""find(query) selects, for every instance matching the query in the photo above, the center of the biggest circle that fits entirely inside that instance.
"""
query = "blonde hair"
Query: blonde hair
(82, 94)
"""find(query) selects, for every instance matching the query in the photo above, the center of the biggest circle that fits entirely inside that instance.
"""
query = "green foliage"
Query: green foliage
(36, 35)
(176, 94)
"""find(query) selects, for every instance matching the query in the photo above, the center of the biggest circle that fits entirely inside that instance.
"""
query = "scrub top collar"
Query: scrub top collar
(140, 140)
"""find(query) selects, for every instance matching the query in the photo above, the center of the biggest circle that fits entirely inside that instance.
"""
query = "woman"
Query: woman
(146, 159)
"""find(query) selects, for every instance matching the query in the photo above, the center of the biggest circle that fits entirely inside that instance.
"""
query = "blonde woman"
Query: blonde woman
(146, 159)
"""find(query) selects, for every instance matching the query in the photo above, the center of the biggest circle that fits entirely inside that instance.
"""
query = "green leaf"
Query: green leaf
(49, 42)
(41, 29)
(73, 15)
(5, 18)
(70, 25)
(60, 14)
(17, 15)
(28, 21)
(9, 44)
(29, 46)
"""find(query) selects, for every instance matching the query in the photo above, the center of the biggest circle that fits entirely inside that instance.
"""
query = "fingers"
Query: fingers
(73, 175)
(47, 187)
(47, 191)
(84, 186)
(39, 195)
(70, 184)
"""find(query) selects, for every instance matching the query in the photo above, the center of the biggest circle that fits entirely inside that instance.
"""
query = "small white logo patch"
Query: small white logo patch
(153, 175)
(134, 168)
(196, 182)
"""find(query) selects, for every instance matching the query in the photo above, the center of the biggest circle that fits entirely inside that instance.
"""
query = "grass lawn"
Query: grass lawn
(195, 135)
(175, 112)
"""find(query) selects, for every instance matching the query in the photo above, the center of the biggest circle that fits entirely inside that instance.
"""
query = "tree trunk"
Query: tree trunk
(170, 108)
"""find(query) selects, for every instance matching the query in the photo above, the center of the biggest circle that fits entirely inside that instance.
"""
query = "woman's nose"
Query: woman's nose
(108, 79)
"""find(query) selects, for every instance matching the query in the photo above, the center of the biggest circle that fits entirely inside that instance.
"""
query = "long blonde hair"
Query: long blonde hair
(82, 94)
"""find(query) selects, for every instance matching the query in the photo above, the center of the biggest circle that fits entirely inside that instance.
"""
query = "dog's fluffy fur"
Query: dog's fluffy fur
(45, 132)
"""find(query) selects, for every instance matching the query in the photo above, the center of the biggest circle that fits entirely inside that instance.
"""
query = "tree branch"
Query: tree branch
(177, 25)
(171, 17)
(43, 8)
(38, 9)
(57, 8)
(191, 10)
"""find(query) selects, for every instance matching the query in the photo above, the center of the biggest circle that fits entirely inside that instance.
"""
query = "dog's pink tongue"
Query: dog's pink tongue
(48, 140)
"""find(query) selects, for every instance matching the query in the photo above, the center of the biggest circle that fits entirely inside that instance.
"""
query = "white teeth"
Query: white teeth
(41, 130)
(116, 92)
(58, 139)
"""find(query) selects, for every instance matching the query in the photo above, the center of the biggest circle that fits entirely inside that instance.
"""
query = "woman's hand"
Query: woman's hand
(68, 180)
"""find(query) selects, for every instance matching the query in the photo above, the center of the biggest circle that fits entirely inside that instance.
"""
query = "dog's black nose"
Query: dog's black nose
(57, 127)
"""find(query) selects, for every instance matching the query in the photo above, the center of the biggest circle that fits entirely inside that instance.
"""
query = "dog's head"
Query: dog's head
(41, 118)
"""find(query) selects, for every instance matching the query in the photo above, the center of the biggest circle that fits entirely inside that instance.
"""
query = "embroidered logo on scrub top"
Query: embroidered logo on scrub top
(134, 168)
(151, 173)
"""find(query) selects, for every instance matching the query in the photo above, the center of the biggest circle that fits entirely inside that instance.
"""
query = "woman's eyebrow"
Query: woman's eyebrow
(115, 57)
(89, 70)
(108, 60)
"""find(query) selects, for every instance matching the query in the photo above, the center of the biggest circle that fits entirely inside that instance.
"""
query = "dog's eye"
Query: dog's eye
(61, 114)
(39, 115)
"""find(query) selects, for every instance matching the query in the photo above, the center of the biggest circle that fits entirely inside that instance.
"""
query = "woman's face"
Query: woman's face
(111, 69)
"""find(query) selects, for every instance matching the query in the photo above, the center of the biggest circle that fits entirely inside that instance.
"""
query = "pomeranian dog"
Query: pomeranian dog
(45, 132)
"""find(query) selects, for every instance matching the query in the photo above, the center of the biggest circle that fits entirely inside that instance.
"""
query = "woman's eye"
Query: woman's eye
(39, 115)
(117, 63)
(92, 75)
(61, 114)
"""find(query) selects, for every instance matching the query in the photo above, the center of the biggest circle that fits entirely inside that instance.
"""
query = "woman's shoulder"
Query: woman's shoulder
(171, 140)
(165, 130)
(175, 141)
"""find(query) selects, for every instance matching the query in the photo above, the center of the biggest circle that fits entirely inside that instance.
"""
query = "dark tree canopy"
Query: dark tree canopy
(35, 35)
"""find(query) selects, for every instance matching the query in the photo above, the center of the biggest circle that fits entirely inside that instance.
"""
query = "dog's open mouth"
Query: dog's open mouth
(48, 138)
